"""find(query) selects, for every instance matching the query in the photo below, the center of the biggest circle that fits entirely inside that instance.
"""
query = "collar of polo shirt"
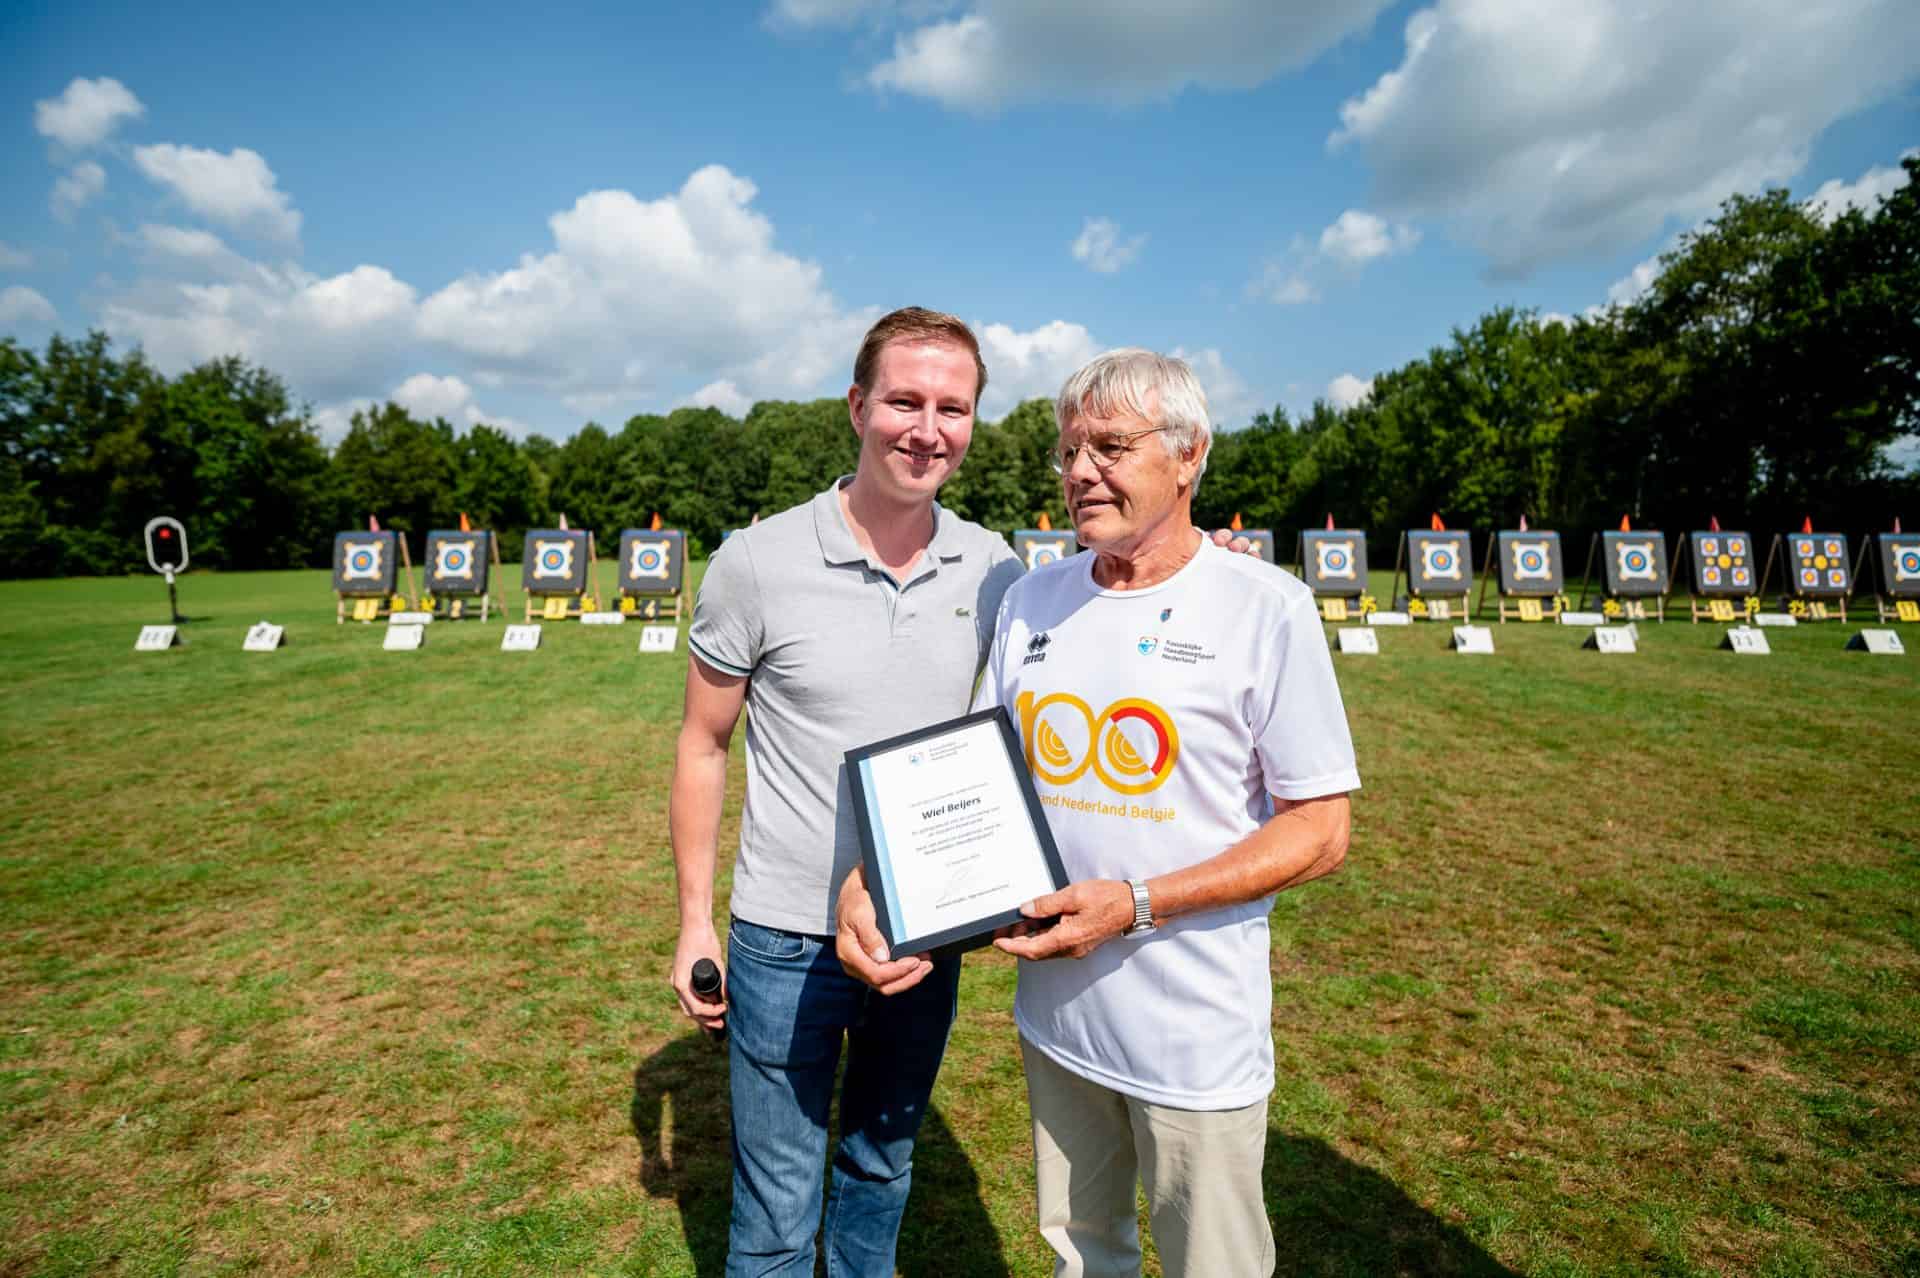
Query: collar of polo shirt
(838, 546)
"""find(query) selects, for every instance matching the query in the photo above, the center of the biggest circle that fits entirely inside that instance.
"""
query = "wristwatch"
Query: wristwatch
(1142, 911)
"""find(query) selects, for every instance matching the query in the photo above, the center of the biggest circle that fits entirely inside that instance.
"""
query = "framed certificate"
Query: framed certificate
(951, 833)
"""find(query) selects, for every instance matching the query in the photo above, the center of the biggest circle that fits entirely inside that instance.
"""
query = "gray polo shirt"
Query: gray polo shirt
(839, 655)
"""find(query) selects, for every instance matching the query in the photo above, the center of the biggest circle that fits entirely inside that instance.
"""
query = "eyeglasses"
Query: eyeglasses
(1105, 452)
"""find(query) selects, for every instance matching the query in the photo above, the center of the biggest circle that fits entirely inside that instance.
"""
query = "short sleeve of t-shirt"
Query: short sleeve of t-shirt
(1301, 731)
(728, 613)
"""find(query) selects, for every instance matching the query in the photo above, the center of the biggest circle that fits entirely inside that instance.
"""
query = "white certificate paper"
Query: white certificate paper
(956, 844)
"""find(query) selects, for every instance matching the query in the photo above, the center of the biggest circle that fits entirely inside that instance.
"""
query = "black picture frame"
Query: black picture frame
(976, 933)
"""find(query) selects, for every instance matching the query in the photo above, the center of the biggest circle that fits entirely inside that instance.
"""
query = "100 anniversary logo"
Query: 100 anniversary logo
(1131, 745)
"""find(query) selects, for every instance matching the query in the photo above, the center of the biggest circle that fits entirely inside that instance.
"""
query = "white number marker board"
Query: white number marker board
(1583, 618)
(1358, 640)
(404, 638)
(1775, 619)
(409, 619)
(155, 638)
(1472, 639)
(603, 618)
(520, 639)
(263, 636)
(659, 638)
(1747, 640)
(1885, 643)
(1611, 639)
(1389, 619)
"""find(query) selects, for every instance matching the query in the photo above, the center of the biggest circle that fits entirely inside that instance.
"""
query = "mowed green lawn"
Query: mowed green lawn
(337, 960)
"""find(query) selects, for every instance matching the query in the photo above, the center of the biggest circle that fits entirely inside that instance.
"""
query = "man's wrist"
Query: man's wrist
(1142, 920)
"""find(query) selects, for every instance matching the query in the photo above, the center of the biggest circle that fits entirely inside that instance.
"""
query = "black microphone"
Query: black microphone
(705, 982)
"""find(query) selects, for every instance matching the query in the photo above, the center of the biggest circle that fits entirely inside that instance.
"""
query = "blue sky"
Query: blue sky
(541, 218)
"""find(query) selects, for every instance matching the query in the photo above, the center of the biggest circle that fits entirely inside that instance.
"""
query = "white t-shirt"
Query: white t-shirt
(1157, 722)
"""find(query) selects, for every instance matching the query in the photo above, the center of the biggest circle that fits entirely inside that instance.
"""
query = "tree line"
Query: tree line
(1762, 378)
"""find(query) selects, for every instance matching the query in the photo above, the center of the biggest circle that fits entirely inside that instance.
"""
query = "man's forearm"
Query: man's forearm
(1295, 846)
(693, 823)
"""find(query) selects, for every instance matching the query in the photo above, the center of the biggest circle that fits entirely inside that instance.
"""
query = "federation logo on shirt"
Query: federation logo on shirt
(1131, 745)
(1147, 644)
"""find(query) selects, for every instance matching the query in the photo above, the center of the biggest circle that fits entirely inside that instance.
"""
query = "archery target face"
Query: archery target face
(1530, 563)
(1900, 564)
(554, 562)
(1038, 549)
(1335, 561)
(457, 562)
(650, 562)
(1437, 563)
(1817, 564)
(363, 563)
(1722, 564)
(1635, 563)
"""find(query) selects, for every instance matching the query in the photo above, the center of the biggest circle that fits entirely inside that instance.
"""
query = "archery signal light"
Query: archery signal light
(166, 546)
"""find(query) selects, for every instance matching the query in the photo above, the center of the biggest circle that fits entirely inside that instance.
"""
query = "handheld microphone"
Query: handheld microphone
(705, 982)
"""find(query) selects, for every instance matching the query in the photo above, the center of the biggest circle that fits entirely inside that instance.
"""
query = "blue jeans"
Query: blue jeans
(789, 1005)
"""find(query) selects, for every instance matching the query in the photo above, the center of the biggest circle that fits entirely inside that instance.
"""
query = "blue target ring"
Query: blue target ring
(1532, 560)
(1638, 561)
(650, 557)
(1336, 559)
(456, 559)
(551, 558)
(362, 560)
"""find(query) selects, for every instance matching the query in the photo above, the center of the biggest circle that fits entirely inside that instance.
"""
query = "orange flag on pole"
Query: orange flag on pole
(654, 524)
(1235, 525)
(1044, 524)
(1329, 521)
(373, 524)
(1806, 524)
(464, 525)
(1437, 525)
(1713, 523)
(1626, 523)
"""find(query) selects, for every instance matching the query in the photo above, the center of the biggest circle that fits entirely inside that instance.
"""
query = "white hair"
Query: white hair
(1158, 389)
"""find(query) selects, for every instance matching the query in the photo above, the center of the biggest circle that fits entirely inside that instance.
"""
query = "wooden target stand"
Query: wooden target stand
(1800, 606)
(1620, 607)
(651, 607)
(453, 607)
(1426, 607)
(567, 606)
(1514, 607)
(1886, 605)
(371, 608)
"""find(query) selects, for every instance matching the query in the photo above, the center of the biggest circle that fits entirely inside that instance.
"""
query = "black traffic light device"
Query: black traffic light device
(167, 553)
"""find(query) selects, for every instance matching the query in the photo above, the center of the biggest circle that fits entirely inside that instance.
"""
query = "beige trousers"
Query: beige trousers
(1201, 1170)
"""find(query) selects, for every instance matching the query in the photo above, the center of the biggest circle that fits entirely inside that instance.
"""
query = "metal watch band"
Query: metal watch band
(1142, 909)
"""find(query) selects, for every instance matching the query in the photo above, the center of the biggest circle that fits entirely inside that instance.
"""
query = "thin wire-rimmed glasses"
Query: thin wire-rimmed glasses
(1105, 452)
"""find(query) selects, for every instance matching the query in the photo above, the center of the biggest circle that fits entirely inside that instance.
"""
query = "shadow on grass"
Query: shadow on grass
(680, 1119)
(1331, 1216)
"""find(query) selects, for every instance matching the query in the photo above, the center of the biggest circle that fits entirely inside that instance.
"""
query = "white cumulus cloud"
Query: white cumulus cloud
(330, 337)
(77, 188)
(1230, 402)
(1035, 363)
(1101, 247)
(86, 113)
(1549, 129)
(1358, 237)
(1116, 51)
(21, 305)
(427, 396)
(636, 294)
(1864, 193)
(1347, 390)
(236, 189)
(723, 395)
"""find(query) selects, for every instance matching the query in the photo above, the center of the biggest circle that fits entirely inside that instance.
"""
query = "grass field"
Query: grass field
(343, 961)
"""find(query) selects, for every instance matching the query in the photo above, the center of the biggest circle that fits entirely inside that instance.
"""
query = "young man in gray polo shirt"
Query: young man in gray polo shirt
(865, 613)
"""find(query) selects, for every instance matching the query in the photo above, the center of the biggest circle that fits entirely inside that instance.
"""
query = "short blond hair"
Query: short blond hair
(916, 324)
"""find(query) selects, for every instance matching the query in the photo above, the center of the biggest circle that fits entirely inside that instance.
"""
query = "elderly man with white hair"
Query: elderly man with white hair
(1189, 744)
